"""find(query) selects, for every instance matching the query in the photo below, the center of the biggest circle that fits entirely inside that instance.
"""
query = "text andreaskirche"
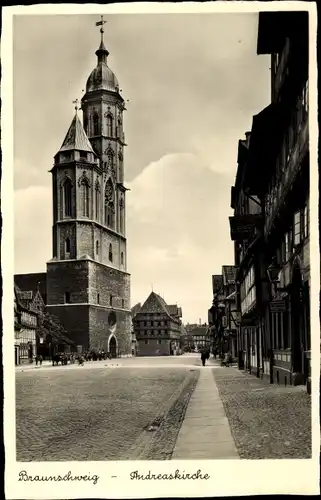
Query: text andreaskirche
(171, 476)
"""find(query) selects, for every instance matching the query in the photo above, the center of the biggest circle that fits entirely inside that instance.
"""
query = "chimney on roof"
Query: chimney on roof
(247, 137)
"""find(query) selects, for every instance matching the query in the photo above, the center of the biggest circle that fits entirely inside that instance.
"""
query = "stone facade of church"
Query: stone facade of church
(87, 283)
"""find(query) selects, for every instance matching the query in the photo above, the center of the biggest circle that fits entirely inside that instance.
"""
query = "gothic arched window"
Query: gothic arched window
(109, 218)
(122, 258)
(84, 197)
(121, 166)
(96, 123)
(110, 255)
(97, 247)
(67, 245)
(67, 198)
(121, 215)
(110, 215)
(109, 125)
(97, 200)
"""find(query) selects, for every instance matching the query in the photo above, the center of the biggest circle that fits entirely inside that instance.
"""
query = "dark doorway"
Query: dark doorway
(297, 308)
(113, 347)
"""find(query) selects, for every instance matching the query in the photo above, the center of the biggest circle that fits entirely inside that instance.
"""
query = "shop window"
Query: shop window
(285, 325)
(297, 228)
(306, 222)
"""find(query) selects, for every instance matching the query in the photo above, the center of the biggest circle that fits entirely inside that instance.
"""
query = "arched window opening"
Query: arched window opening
(67, 245)
(84, 196)
(109, 218)
(121, 215)
(110, 161)
(97, 201)
(111, 300)
(122, 258)
(96, 124)
(67, 198)
(110, 252)
(97, 247)
(109, 126)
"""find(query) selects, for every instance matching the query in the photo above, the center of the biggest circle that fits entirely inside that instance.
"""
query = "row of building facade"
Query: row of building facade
(157, 327)
(36, 332)
(270, 332)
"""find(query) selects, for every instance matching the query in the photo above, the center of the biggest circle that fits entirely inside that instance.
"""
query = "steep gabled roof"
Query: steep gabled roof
(76, 138)
(198, 331)
(228, 273)
(32, 282)
(136, 309)
(174, 310)
(217, 282)
(154, 304)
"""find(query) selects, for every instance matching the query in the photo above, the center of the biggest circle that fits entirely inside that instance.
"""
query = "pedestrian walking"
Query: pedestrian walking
(204, 356)
(40, 359)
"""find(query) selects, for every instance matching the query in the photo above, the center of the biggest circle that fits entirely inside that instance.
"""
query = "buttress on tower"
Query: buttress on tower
(88, 287)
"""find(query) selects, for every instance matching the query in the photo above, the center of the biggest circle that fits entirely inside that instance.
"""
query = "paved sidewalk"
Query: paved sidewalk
(205, 432)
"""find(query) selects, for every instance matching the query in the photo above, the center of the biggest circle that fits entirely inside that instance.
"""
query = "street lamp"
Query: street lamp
(273, 272)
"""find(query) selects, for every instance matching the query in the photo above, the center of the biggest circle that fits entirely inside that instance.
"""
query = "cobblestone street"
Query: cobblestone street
(82, 413)
(267, 421)
(133, 409)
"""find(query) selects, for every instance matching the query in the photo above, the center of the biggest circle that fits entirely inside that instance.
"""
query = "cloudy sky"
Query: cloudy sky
(193, 82)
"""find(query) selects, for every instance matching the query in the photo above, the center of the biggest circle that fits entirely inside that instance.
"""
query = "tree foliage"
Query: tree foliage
(51, 330)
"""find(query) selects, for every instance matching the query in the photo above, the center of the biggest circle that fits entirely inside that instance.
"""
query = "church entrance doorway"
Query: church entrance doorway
(113, 347)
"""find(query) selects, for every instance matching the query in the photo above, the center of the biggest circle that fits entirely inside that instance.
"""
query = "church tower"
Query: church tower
(88, 286)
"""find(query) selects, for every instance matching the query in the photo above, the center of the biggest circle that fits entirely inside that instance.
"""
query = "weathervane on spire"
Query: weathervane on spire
(101, 24)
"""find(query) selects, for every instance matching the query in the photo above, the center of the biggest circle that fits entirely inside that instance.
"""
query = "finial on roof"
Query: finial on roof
(102, 52)
(76, 102)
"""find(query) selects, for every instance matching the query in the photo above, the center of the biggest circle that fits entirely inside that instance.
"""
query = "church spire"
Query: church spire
(102, 53)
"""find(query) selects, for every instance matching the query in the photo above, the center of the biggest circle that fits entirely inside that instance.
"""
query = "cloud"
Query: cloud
(178, 233)
(187, 109)
(33, 233)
